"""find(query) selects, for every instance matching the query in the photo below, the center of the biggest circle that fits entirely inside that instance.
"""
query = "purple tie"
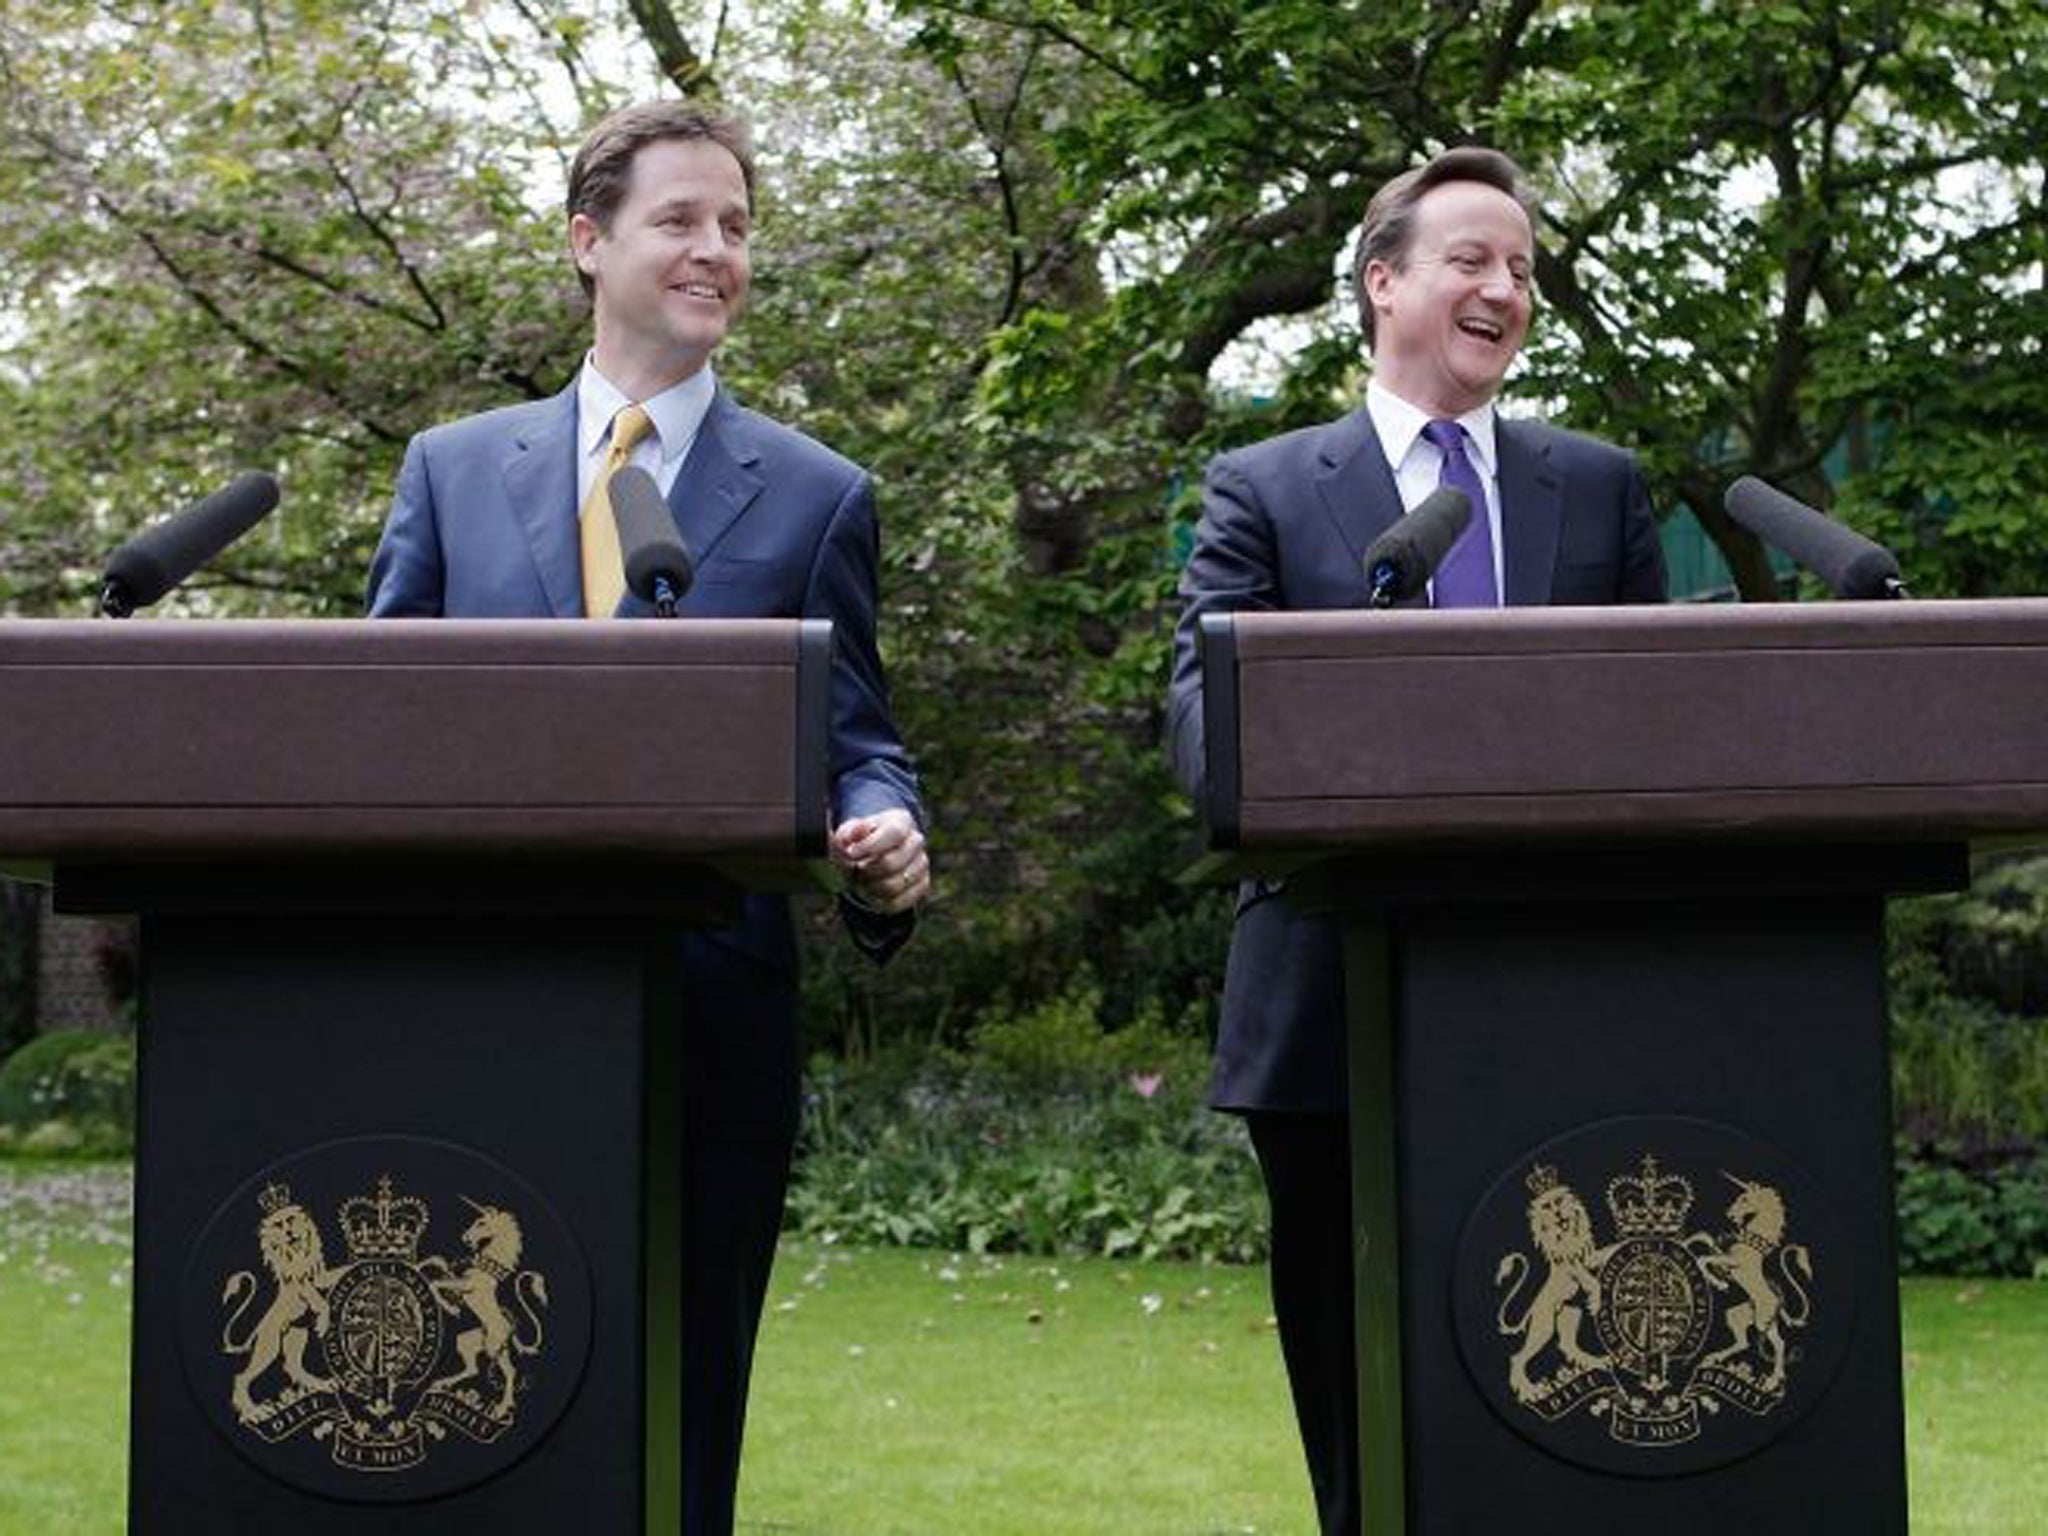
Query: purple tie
(1465, 579)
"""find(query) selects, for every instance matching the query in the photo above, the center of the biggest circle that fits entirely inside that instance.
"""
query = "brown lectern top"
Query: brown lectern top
(1887, 721)
(692, 740)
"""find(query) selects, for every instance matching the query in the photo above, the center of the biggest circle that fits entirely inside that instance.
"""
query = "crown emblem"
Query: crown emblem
(1652, 1204)
(386, 1227)
(274, 1198)
(1541, 1180)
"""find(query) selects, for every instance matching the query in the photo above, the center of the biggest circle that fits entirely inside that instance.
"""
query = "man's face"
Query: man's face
(672, 270)
(1450, 319)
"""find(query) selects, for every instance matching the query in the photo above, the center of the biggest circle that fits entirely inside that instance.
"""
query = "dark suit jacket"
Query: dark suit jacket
(484, 525)
(1285, 524)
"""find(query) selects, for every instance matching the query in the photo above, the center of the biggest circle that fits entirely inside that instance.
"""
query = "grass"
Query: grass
(904, 1393)
(64, 1279)
(1977, 1406)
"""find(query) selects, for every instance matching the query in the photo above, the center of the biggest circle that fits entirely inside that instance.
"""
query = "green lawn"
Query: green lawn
(64, 1285)
(913, 1394)
(902, 1393)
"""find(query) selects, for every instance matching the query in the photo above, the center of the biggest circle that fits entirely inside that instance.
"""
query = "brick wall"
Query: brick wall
(71, 987)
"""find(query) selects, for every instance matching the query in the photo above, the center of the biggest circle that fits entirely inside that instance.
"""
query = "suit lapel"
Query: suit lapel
(1531, 508)
(1356, 486)
(540, 488)
(717, 482)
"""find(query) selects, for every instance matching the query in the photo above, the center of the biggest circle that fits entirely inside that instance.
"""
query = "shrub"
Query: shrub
(1966, 1071)
(71, 1090)
(1959, 1219)
(1994, 940)
(1047, 1134)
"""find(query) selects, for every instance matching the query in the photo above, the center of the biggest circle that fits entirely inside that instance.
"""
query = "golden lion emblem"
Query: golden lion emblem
(1562, 1231)
(289, 1242)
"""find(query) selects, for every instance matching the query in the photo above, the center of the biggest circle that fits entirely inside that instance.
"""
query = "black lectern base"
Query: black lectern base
(407, 1225)
(1638, 1182)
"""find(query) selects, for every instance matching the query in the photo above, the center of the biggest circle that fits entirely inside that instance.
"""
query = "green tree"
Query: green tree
(282, 234)
(1773, 233)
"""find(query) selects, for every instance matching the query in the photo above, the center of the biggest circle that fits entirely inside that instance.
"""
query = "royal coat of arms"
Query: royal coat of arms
(390, 1351)
(1661, 1323)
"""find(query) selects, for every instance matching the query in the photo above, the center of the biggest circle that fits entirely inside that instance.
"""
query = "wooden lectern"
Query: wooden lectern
(408, 1243)
(1613, 885)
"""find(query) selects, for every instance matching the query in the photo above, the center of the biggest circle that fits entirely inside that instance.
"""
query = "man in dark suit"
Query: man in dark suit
(1443, 273)
(486, 524)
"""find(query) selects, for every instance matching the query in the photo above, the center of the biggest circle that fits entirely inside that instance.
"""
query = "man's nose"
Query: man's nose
(705, 241)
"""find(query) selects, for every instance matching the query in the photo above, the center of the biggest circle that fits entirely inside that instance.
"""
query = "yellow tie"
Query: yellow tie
(604, 568)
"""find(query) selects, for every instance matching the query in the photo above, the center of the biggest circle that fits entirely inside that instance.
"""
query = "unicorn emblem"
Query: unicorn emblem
(494, 1243)
(1754, 1335)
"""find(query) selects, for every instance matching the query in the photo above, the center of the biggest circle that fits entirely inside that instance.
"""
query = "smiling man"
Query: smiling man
(504, 515)
(1443, 274)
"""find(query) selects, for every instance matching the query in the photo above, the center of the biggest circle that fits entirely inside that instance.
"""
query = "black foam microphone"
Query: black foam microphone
(158, 558)
(1846, 562)
(658, 568)
(1407, 554)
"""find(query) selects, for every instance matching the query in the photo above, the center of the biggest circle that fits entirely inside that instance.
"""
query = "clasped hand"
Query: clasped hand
(884, 857)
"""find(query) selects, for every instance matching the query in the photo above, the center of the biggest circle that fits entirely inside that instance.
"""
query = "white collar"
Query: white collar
(1399, 423)
(677, 412)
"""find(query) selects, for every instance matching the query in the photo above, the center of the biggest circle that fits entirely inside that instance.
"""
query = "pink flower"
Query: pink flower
(1145, 1084)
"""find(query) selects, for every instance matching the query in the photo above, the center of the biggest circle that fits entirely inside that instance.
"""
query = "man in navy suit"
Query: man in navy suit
(486, 525)
(1442, 273)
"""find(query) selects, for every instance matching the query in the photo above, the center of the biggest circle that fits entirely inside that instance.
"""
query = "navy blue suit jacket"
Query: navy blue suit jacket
(484, 525)
(1285, 524)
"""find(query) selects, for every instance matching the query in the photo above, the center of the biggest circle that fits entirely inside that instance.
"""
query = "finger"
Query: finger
(903, 894)
(892, 858)
(847, 833)
(897, 889)
(894, 862)
(881, 839)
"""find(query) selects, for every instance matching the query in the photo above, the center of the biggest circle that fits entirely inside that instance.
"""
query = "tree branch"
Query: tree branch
(672, 51)
(189, 286)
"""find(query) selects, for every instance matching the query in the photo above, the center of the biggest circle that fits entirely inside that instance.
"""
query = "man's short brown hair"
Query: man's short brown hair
(1388, 228)
(603, 167)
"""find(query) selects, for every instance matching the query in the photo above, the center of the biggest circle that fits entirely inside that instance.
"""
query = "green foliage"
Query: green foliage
(285, 237)
(1967, 1070)
(1048, 1135)
(1955, 1220)
(1994, 938)
(71, 1091)
(1970, 1078)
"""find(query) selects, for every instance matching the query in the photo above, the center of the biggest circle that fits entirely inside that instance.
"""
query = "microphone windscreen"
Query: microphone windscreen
(158, 558)
(649, 541)
(1400, 560)
(1438, 520)
(1846, 562)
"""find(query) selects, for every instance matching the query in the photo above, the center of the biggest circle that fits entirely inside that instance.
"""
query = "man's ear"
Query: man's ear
(583, 237)
(1379, 286)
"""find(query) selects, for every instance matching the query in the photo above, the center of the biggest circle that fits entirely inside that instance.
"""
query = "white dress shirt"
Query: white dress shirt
(677, 412)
